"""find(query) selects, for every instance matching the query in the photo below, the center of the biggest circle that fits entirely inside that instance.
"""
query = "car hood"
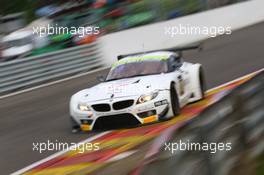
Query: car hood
(128, 87)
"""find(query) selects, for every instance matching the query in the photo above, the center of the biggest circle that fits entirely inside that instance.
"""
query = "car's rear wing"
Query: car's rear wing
(175, 49)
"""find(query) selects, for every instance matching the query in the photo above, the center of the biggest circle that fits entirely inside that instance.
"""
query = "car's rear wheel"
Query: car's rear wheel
(174, 101)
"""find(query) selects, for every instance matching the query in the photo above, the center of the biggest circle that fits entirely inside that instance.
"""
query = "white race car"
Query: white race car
(139, 89)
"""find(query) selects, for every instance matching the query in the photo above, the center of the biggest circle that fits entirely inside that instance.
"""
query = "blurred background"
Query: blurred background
(18, 17)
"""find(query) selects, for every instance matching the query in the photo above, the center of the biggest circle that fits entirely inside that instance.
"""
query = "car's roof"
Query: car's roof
(152, 56)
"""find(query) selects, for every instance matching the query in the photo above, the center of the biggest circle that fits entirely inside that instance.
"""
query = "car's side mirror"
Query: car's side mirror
(100, 78)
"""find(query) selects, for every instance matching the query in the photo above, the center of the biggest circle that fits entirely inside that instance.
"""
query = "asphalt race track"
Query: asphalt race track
(42, 114)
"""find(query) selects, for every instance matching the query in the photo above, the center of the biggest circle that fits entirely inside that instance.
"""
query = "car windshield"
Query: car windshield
(137, 69)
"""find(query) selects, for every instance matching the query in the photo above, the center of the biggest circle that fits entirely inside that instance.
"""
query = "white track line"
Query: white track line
(104, 133)
(121, 156)
(51, 83)
(57, 154)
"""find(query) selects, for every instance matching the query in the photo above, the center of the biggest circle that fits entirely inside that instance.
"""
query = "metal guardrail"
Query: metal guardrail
(33, 70)
(238, 119)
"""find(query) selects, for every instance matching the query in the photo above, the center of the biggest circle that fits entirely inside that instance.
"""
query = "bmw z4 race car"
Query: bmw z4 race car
(139, 89)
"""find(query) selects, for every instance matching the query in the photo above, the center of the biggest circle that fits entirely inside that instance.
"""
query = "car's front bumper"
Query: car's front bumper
(136, 114)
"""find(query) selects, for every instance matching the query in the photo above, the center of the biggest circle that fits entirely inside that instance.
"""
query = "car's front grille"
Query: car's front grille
(115, 121)
(122, 104)
(104, 107)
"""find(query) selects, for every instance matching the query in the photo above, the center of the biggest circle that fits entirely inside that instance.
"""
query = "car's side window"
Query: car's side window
(174, 62)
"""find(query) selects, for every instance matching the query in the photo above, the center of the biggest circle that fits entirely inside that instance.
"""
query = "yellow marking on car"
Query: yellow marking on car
(139, 59)
(149, 119)
(85, 127)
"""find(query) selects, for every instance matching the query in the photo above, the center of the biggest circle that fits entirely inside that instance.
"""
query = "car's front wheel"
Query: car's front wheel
(74, 126)
(174, 101)
(202, 83)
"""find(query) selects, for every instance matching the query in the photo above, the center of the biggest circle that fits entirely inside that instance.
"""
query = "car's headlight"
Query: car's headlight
(147, 97)
(84, 107)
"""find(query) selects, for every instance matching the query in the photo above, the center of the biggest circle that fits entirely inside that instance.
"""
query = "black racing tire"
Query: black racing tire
(75, 127)
(202, 82)
(174, 101)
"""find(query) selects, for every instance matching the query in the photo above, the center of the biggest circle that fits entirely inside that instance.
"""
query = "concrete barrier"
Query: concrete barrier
(154, 36)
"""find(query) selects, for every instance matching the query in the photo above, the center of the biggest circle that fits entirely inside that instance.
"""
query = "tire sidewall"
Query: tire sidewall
(174, 101)
(202, 82)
